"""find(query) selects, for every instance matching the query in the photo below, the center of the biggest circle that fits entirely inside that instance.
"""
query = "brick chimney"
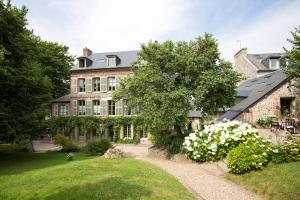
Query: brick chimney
(86, 52)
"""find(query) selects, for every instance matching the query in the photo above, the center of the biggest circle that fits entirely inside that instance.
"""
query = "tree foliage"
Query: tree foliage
(293, 67)
(171, 78)
(29, 73)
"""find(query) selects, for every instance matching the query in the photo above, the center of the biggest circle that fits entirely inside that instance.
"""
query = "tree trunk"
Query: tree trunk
(177, 129)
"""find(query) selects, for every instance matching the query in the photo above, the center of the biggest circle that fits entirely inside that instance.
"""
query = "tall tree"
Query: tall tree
(28, 67)
(56, 63)
(172, 78)
(292, 69)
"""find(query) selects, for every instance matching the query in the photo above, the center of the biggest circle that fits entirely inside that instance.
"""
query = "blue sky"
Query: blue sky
(115, 25)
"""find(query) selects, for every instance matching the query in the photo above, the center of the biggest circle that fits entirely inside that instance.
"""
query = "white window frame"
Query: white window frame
(127, 131)
(111, 61)
(110, 105)
(78, 84)
(96, 108)
(63, 110)
(81, 108)
(84, 62)
(111, 85)
(271, 60)
(97, 85)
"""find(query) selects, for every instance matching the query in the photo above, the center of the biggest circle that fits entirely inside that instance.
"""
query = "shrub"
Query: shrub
(264, 123)
(171, 142)
(292, 148)
(279, 155)
(252, 154)
(67, 145)
(216, 140)
(98, 146)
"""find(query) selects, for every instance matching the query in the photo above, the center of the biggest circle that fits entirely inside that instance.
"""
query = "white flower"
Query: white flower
(275, 151)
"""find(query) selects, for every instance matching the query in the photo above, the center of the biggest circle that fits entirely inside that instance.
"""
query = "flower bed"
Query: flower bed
(240, 144)
(216, 140)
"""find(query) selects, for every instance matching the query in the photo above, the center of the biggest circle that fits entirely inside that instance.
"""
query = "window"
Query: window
(63, 110)
(127, 131)
(126, 110)
(81, 63)
(96, 84)
(274, 63)
(111, 61)
(143, 133)
(81, 85)
(286, 105)
(81, 107)
(96, 107)
(111, 108)
(111, 83)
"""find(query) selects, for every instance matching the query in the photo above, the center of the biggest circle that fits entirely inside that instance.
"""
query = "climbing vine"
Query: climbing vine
(99, 124)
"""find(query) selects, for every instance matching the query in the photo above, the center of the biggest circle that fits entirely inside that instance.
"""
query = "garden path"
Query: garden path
(204, 180)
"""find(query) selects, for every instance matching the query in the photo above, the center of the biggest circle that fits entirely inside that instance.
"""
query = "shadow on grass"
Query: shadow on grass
(17, 162)
(111, 188)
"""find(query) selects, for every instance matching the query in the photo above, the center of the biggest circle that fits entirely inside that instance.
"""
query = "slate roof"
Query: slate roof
(261, 61)
(194, 113)
(65, 98)
(98, 60)
(253, 90)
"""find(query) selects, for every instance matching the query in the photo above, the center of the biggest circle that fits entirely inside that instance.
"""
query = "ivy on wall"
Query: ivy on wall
(89, 123)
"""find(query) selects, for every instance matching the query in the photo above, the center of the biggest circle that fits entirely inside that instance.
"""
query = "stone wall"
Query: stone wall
(243, 65)
(89, 75)
(269, 106)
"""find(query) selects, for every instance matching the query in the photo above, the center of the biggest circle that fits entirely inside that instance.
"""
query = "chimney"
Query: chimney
(242, 51)
(86, 52)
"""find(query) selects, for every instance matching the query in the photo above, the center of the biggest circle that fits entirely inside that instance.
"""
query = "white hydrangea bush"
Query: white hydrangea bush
(216, 140)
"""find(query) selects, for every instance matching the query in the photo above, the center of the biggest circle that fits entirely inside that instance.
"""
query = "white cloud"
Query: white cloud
(267, 33)
(112, 25)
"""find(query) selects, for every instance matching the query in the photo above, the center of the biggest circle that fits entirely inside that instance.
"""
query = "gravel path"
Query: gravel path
(204, 180)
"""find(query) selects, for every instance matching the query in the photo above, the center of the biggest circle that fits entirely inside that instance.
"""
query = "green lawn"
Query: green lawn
(50, 176)
(276, 181)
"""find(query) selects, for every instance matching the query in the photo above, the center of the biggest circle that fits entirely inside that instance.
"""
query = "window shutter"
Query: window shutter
(89, 107)
(68, 109)
(118, 80)
(119, 107)
(89, 85)
(74, 107)
(74, 85)
(131, 127)
(103, 84)
(122, 132)
(55, 109)
(103, 107)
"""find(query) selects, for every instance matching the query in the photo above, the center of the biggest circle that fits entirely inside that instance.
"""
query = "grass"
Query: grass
(50, 176)
(276, 181)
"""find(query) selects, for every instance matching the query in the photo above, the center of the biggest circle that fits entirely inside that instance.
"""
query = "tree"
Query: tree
(28, 67)
(56, 64)
(293, 67)
(171, 78)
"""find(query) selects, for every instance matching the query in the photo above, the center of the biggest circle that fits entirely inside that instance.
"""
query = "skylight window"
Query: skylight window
(100, 61)
(274, 63)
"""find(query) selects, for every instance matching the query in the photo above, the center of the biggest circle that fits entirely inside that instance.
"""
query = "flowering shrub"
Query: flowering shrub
(216, 140)
(251, 154)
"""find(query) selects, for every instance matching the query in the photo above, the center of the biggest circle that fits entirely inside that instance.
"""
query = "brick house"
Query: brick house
(266, 92)
(93, 80)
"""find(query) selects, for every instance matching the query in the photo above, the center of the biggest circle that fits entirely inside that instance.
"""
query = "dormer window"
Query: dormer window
(274, 63)
(111, 61)
(82, 63)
